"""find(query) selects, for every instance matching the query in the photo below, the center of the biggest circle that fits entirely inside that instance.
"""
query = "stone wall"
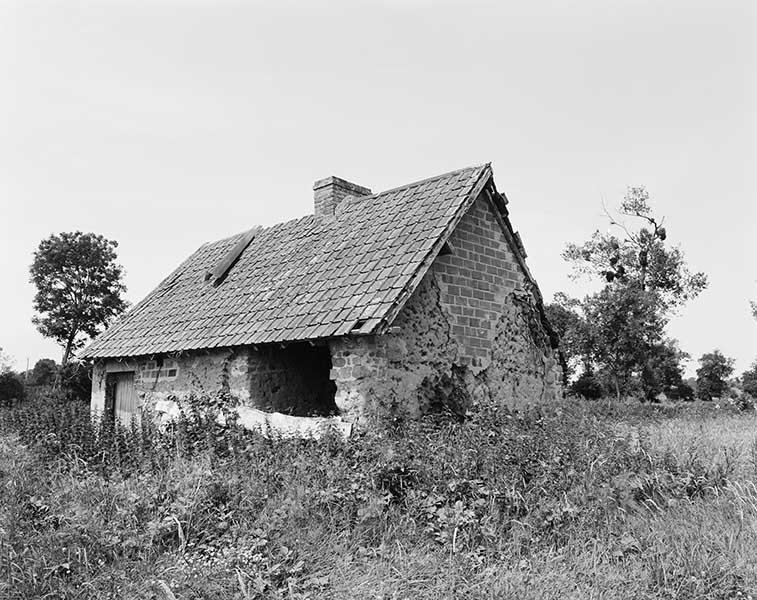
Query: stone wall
(158, 378)
(294, 380)
(470, 333)
(359, 370)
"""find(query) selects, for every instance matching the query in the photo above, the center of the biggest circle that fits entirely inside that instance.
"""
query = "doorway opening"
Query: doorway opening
(121, 397)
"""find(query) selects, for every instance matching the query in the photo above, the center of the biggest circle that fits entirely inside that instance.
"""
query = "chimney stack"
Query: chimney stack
(329, 192)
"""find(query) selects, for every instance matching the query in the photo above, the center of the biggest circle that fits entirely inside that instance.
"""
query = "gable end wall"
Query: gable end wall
(470, 333)
(475, 282)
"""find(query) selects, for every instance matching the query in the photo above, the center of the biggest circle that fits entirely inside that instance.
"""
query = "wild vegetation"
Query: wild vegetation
(616, 336)
(579, 500)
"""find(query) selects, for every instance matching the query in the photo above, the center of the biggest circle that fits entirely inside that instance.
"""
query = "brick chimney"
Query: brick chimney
(329, 192)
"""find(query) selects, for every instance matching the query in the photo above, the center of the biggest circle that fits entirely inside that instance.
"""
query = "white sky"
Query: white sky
(163, 124)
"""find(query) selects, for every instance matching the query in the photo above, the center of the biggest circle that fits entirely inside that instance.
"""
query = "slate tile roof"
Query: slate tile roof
(314, 277)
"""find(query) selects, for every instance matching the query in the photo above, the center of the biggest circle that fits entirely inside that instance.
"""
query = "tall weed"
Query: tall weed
(567, 495)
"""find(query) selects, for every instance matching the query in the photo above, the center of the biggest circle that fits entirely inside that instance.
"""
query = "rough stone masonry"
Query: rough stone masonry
(472, 331)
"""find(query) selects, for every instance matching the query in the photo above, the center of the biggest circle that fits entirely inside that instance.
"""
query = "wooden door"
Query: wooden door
(125, 398)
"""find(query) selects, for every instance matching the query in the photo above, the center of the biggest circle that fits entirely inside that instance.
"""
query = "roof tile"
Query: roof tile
(309, 278)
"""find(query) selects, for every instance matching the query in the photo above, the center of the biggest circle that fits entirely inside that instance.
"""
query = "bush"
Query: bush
(11, 389)
(682, 391)
(586, 386)
(44, 372)
(740, 400)
(76, 381)
(749, 381)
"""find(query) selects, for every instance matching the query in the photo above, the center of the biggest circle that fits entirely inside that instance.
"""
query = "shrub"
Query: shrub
(749, 381)
(586, 386)
(740, 400)
(11, 389)
(76, 381)
(44, 372)
(682, 391)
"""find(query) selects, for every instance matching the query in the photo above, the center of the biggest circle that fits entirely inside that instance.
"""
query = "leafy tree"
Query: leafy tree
(714, 370)
(749, 380)
(576, 335)
(44, 372)
(79, 288)
(640, 258)
(5, 362)
(626, 328)
(599, 331)
(662, 371)
(620, 330)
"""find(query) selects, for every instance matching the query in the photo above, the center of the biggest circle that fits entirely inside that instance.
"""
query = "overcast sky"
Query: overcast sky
(164, 124)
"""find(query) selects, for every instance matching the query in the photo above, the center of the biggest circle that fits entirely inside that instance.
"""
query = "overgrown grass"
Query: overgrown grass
(568, 501)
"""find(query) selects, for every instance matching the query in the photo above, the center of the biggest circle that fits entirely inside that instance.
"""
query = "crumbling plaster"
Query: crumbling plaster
(470, 333)
(292, 380)
(199, 372)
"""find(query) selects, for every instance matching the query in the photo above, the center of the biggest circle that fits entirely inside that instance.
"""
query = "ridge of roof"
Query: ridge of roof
(263, 228)
(429, 179)
(369, 196)
(358, 198)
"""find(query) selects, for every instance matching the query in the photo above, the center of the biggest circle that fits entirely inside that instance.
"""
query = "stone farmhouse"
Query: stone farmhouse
(402, 302)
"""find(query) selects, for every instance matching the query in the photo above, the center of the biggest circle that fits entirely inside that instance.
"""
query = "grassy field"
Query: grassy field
(579, 500)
